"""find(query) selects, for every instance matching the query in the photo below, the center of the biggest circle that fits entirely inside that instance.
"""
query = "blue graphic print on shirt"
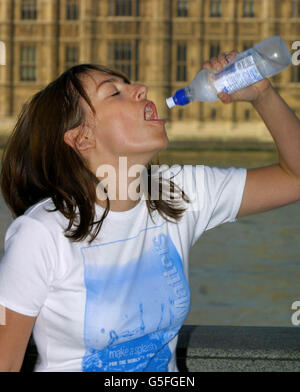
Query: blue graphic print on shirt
(134, 307)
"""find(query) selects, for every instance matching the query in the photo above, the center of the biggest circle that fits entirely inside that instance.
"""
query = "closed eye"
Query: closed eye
(116, 93)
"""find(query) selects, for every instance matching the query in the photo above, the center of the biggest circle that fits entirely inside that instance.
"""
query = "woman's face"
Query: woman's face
(120, 125)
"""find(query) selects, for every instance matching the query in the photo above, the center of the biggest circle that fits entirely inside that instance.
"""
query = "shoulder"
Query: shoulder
(180, 174)
(41, 210)
(44, 212)
(217, 177)
(188, 177)
(39, 222)
(200, 176)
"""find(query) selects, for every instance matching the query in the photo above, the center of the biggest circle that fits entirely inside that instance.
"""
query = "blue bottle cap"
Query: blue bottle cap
(180, 97)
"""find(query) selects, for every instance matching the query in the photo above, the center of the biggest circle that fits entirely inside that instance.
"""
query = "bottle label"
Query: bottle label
(240, 74)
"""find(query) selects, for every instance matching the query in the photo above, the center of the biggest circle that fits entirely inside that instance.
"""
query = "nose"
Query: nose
(139, 91)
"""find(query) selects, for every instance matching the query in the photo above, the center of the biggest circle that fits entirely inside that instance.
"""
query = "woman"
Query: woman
(104, 282)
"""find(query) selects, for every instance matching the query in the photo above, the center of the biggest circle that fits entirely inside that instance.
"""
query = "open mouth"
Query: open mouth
(150, 112)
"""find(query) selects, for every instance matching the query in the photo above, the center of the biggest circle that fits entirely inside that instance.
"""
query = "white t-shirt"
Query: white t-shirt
(117, 304)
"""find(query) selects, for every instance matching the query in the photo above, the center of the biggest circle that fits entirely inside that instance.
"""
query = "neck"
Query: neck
(119, 205)
(123, 193)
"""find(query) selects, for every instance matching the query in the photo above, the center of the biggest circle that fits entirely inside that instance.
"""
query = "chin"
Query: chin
(165, 144)
(156, 150)
(162, 141)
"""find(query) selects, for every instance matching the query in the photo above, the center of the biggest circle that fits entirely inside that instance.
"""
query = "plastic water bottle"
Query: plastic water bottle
(265, 59)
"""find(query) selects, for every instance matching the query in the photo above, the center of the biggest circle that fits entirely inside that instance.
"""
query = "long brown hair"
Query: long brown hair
(38, 164)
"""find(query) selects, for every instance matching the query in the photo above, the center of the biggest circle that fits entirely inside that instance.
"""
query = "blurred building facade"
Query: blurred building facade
(162, 43)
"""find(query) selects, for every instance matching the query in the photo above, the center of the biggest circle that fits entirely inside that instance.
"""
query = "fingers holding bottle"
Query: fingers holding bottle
(231, 56)
(216, 64)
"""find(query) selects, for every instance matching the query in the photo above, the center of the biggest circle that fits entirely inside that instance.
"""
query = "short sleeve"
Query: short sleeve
(223, 193)
(215, 196)
(26, 269)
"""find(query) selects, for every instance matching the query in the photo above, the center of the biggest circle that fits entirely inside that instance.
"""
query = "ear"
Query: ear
(80, 140)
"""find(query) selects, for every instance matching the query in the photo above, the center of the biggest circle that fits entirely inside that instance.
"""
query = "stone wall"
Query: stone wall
(157, 31)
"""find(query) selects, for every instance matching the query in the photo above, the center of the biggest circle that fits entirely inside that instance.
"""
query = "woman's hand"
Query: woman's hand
(251, 93)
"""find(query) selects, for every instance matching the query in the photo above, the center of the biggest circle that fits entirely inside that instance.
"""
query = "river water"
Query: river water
(242, 273)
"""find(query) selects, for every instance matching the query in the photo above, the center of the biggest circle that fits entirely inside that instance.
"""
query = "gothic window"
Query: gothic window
(295, 9)
(215, 8)
(247, 45)
(72, 9)
(247, 115)
(248, 9)
(214, 50)
(182, 8)
(71, 56)
(28, 64)
(29, 9)
(214, 114)
(124, 7)
(181, 63)
(295, 74)
(124, 57)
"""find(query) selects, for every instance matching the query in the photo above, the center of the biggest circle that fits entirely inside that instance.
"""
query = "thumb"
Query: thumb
(225, 98)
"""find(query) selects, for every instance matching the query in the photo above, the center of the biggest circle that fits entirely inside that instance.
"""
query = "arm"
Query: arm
(25, 277)
(277, 185)
(14, 337)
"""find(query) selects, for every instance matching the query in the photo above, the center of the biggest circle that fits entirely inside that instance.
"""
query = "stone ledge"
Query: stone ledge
(217, 145)
(247, 349)
(205, 144)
